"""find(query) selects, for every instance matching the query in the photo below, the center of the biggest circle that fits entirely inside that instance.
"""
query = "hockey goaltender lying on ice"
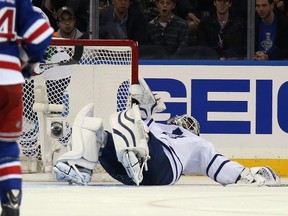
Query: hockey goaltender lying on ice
(140, 151)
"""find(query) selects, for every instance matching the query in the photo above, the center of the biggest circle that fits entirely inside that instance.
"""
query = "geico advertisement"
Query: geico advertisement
(240, 108)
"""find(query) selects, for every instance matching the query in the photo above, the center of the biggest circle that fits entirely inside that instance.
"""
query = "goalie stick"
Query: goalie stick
(78, 51)
(255, 185)
(277, 185)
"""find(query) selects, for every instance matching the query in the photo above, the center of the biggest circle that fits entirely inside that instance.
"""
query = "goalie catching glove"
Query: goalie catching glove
(148, 102)
(258, 176)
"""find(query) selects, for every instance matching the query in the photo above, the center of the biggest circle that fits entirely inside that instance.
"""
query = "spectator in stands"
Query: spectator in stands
(271, 32)
(66, 21)
(193, 11)
(240, 7)
(149, 9)
(281, 6)
(138, 4)
(168, 30)
(49, 9)
(223, 32)
(80, 7)
(120, 21)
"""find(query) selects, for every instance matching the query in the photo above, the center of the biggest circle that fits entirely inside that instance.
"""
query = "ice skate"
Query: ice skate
(12, 207)
(7, 211)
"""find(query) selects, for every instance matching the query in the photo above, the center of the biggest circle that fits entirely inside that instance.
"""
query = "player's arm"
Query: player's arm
(36, 35)
(34, 30)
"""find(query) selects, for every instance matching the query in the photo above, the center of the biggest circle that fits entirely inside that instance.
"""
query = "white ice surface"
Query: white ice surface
(191, 196)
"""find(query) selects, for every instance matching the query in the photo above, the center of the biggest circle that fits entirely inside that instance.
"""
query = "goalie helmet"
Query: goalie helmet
(187, 122)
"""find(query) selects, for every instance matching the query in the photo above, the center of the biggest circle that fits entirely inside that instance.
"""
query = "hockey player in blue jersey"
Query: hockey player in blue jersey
(18, 20)
(139, 151)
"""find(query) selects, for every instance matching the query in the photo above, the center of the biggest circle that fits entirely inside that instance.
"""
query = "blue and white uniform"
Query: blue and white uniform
(174, 151)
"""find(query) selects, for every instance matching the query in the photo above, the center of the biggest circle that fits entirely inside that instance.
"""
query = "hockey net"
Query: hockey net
(53, 98)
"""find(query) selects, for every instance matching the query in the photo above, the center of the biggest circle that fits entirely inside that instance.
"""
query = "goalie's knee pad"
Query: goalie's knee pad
(130, 136)
(88, 137)
(147, 101)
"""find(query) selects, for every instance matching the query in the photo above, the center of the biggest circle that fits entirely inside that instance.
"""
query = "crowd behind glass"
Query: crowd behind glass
(180, 29)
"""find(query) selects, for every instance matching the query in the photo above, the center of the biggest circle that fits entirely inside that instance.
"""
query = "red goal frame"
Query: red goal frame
(91, 42)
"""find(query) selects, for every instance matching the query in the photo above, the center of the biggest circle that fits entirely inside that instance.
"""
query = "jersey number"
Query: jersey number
(7, 24)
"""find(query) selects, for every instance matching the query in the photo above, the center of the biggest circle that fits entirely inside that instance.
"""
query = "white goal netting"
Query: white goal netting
(53, 98)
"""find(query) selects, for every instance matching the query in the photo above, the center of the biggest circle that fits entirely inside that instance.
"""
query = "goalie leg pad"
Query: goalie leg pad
(130, 136)
(87, 138)
(129, 132)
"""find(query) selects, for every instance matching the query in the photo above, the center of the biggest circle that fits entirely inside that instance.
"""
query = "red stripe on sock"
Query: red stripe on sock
(10, 170)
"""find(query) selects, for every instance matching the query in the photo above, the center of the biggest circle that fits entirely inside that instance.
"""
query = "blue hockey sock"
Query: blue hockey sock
(10, 169)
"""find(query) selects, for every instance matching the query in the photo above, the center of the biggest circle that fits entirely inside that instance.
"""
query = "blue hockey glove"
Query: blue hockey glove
(28, 69)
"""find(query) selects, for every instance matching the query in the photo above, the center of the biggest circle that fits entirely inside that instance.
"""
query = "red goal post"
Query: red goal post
(108, 43)
(53, 98)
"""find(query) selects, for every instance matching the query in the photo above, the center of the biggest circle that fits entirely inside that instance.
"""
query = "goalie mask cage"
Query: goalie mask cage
(53, 98)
